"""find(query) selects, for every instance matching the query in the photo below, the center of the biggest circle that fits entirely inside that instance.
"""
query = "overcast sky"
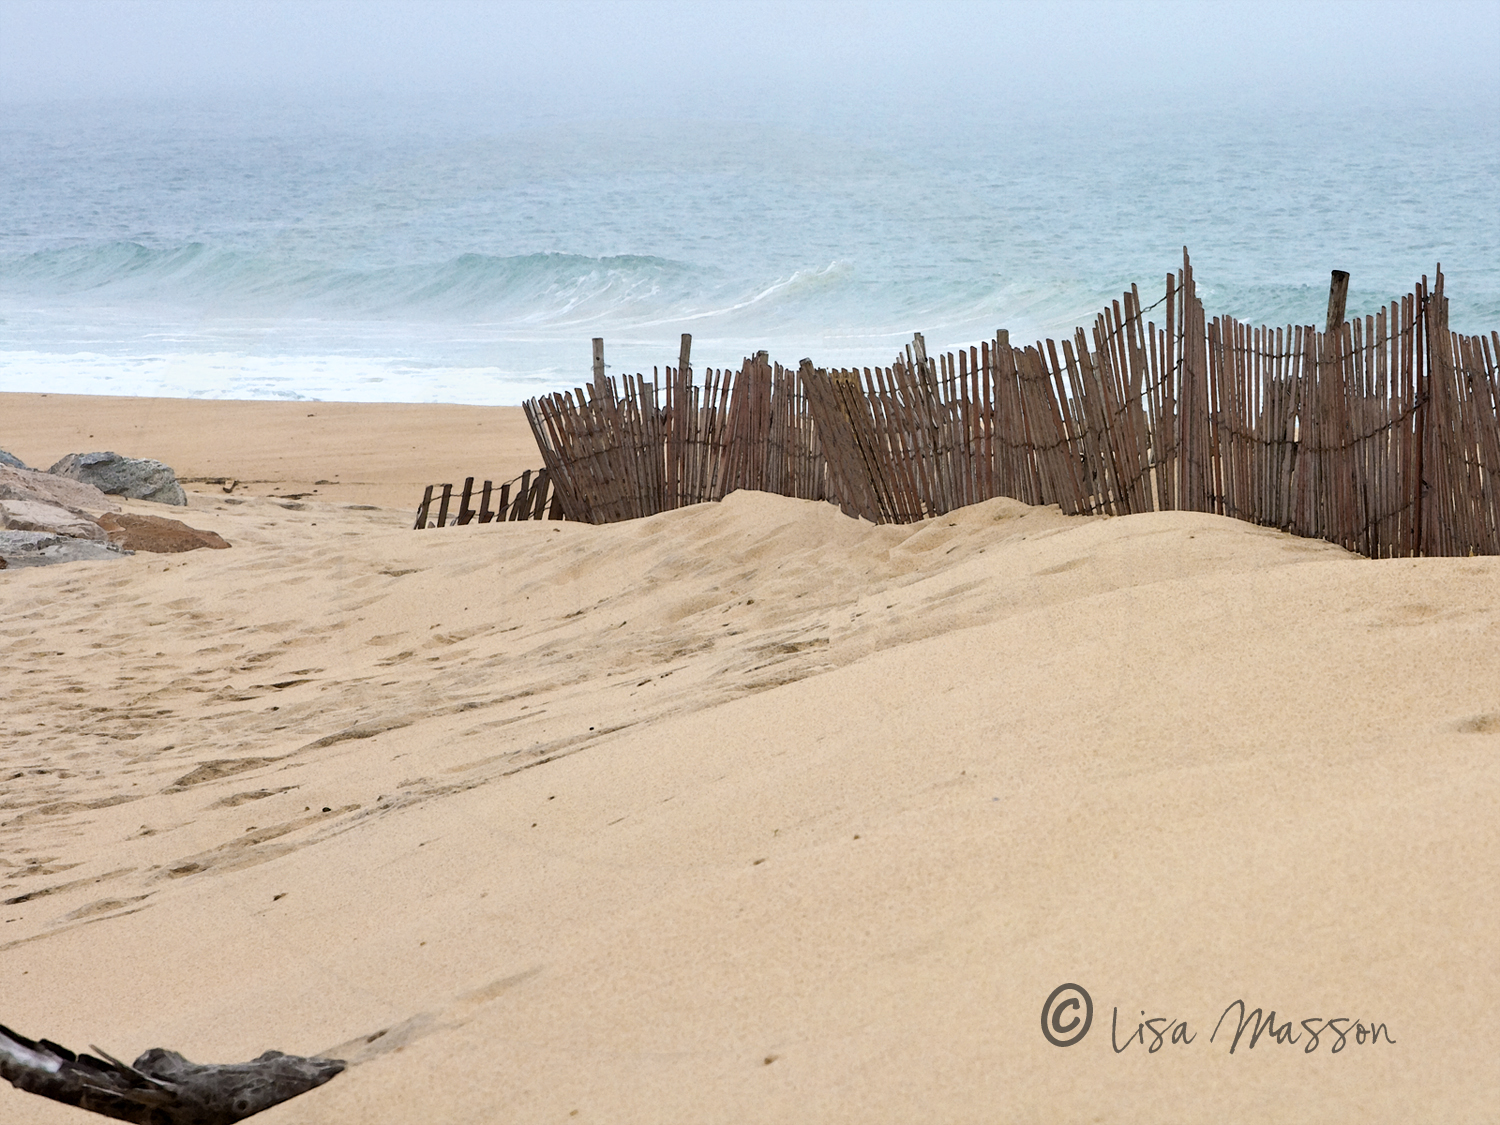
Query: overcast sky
(749, 59)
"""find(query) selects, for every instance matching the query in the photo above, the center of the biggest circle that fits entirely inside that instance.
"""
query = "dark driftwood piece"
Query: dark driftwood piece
(162, 1087)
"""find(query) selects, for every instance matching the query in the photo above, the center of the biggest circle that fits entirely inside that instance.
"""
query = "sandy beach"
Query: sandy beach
(748, 812)
(337, 452)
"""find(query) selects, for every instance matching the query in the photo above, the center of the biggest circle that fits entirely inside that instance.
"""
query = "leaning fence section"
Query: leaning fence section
(529, 496)
(1380, 433)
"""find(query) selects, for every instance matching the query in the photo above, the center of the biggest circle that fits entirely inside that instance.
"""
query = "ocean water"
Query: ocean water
(368, 251)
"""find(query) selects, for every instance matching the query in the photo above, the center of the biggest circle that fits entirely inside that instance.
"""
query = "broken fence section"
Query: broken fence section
(529, 496)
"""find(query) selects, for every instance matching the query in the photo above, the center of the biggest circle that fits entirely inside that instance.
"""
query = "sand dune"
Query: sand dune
(749, 812)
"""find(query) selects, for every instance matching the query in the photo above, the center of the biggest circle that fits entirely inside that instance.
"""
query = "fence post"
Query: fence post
(1424, 390)
(599, 365)
(1338, 295)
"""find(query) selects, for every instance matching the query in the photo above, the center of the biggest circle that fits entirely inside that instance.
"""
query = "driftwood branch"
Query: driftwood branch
(161, 1087)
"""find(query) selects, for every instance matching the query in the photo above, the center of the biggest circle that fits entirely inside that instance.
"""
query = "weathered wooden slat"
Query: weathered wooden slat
(426, 503)
(525, 498)
(539, 495)
(465, 512)
(442, 516)
(1171, 423)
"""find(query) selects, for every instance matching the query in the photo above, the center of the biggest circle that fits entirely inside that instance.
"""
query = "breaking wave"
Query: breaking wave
(529, 288)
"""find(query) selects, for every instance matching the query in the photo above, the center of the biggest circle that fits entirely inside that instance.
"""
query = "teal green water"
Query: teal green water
(438, 255)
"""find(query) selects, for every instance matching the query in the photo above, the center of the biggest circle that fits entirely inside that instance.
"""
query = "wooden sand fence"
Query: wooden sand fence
(1381, 434)
(618, 452)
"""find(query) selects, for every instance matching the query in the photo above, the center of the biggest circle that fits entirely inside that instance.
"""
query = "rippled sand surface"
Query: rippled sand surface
(747, 812)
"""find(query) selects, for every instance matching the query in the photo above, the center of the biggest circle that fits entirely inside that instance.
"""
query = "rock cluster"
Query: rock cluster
(66, 514)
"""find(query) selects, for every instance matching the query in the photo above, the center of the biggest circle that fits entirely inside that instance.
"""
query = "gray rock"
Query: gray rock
(11, 459)
(39, 548)
(14, 543)
(135, 477)
(33, 484)
(36, 515)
